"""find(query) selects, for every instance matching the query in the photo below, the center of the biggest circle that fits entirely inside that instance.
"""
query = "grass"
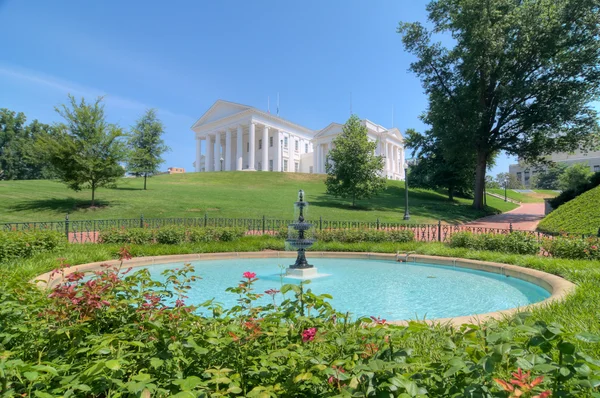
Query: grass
(537, 196)
(227, 194)
(577, 313)
(578, 216)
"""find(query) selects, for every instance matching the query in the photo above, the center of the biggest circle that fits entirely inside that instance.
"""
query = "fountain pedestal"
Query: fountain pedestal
(302, 273)
(300, 238)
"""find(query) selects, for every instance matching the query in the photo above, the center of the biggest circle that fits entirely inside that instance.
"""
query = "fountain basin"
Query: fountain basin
(379, 279)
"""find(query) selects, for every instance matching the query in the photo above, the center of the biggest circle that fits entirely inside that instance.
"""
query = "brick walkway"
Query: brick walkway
(525, 217)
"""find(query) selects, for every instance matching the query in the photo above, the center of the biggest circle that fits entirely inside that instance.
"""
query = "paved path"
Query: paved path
(525, 217)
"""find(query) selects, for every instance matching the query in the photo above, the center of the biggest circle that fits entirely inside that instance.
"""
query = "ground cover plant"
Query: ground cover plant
(578, 216)
(227, 194)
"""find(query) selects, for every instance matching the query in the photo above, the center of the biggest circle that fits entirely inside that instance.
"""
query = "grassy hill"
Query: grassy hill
(578, 216)
(537, 196)
(225, 194)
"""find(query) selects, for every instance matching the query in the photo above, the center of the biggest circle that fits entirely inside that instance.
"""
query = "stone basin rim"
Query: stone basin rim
(558, 287)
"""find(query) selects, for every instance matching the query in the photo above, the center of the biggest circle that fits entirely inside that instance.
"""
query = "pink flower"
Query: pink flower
(271, 292)
(249, 275)
(309, 334)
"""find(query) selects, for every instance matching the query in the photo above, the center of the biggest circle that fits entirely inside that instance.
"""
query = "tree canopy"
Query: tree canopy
(85, 151)
(576, 175)
(353, 169)
(520, 77)
(146, 146)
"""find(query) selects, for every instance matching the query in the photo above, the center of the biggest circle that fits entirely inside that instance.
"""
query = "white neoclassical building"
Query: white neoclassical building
(240, 137)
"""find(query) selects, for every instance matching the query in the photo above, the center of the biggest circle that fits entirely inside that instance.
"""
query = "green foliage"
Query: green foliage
(514, 242)
(123, 334)
(565, 246)
(578, 216)
(353, 171)
(85, 151)
(26, 244)
(170, 235)
(18, 160)
(510, 180)
(547, 178)
(146, 146)
(519, 77)
(574, 176)
(588, 183)
(364, 235)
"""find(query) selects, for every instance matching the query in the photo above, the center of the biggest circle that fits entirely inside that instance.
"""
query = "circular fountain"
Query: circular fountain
(301, 237)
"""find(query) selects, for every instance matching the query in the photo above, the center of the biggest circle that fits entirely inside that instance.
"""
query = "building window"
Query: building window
(247, 147)
(526, 176)
(285, 164)
(596, 168)
(285, 142)
(519, 176)
(310, 169)
(296, 166)
(305, 148)
(296, 146)
(259, 144)
(271, 141)
(271, 165)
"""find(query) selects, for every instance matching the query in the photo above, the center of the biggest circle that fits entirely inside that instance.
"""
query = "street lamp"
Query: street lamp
(221, 164)
(505, 185)
(406, 214)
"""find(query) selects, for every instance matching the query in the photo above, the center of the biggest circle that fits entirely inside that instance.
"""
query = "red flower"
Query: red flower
(378, 320)
(309, 334)
(249, 275)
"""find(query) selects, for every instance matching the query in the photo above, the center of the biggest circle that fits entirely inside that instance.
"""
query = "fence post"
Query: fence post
(439, 230)
(67, 226)
(141, 221)
(320, 223)
(599, 232)
(377, 222)
(205, 219)
(510, 227)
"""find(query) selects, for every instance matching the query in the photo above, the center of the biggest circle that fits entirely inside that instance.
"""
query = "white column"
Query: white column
(252, 149)
(217, 159)
(239, 153)
(198, 152)
(319, 158)
(315, 165)
(278, 151)
(387, 158)
(228, 150)
(210, 150)
(395, 159)
(265, 149)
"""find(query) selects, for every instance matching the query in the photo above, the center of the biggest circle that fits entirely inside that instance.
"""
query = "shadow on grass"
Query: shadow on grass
(65, 205)
(127, 189)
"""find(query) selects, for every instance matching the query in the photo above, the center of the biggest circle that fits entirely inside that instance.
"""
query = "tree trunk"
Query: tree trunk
(450, 193)
(145, 175)
(93, 193)
(478, 201)
(353, 199)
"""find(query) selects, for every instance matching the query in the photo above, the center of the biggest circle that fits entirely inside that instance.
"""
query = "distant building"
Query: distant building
(175, 170)
(524, 172)
(240, 137)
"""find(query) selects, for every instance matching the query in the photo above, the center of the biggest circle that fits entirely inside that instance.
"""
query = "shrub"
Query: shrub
(138, 236)
(573, 247)
(570, 194)
(171, 235)
(26, 244)
(364, 235)
(514, 242)
(199, 235)
(113, 235)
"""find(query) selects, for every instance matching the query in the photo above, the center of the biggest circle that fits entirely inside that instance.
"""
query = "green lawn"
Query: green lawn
(226, 194)
(537, 196)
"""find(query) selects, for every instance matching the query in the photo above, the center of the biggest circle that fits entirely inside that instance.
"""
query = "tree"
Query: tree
(492, 183)
(17, 159)
(574, 176)
(85, 151)
(510, 180)
(548, 178)
(146, 146)
(353, 170)
(520, 77)
(437, 167)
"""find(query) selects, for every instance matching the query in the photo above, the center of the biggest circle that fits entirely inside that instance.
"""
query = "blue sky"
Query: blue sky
(180, 57)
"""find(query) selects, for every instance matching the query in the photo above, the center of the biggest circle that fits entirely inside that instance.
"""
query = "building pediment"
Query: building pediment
(220, 109)
(332, 129)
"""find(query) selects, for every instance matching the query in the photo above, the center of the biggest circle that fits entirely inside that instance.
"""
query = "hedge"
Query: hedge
(514, 242)
(26, 244)
(170, 235)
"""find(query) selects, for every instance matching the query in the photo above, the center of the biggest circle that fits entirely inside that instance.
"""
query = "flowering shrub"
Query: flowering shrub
(119, 333)
(26, 244)
(514, 242)
(364, 235)
(572, 247)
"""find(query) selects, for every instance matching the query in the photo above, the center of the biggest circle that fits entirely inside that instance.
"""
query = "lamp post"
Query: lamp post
(221, 164)
(505, 185)
(406, 214)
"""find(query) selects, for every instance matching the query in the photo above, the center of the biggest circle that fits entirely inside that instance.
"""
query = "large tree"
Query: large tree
(353, 169)
(146, 146)
(574, 176)
(547, 178)
(85, 150)
(519, 76)
(18, 161)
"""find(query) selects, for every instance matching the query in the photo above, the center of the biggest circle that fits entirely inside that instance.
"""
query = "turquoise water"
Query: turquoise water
(388, 289)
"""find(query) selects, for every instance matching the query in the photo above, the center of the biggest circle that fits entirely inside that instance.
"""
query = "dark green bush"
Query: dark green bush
(364, 235)
(171, 235)
(25, 244)
(514, 242)
(113, 235)
(571, 194)
(573, 247)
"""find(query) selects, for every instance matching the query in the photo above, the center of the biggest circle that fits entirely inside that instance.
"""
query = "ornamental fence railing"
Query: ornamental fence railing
(87, 231)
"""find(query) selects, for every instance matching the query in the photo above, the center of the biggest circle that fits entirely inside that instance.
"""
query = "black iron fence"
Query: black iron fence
(86, 231)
